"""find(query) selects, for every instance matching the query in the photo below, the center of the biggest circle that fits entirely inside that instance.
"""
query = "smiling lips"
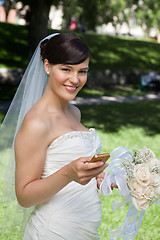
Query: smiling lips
(70, 88)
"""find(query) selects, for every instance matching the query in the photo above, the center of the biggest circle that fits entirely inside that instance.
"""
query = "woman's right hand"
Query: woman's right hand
(81, 171)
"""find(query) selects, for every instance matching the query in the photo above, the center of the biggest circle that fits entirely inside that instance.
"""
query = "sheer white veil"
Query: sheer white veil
(13, 218)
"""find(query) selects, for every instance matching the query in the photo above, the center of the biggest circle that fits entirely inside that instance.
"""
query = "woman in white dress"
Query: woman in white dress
(52, 148)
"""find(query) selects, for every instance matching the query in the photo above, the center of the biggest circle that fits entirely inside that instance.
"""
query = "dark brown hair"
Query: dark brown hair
(64, 48)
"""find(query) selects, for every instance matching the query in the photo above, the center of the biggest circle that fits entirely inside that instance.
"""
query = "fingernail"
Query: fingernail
(106, 164)
(101, 163)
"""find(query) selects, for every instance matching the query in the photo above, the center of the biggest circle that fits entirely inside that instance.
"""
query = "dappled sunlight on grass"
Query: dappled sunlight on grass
(125, 53)
(129, 138)
(110, 118)
(112, 91)
(129, 125)
(13, 45)
(107, 52)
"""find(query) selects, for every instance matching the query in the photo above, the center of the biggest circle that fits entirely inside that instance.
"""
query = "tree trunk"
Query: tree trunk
(90, 13)
(7, 5)
(38, 22)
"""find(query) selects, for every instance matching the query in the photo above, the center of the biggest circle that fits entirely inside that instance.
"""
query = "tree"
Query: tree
(8, 4)
(112, 11)
(117, 12)
(90, 13)
(38, 20)
(99, 12)
(85, 12)
(148, 15)
(70, 9)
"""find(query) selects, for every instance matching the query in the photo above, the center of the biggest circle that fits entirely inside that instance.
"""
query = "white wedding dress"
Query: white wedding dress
(74, 213)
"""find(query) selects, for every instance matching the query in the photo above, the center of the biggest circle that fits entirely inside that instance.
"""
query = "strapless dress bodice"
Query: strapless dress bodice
(74, 213)
(69, 147)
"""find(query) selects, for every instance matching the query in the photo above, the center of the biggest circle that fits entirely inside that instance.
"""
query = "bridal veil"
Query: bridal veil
(13, 216)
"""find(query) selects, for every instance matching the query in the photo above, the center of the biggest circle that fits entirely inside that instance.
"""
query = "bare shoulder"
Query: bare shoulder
(75, 112)
(34, 128)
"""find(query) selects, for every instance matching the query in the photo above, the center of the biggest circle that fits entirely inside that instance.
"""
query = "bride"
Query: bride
(53, 149)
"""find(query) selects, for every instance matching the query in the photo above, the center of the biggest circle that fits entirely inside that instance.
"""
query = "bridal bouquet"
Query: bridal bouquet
(143, 178)
(137, 175)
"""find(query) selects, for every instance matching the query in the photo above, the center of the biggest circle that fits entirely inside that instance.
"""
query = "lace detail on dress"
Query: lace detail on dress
(91, 134)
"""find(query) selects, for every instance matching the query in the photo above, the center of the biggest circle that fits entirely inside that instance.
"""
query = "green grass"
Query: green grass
(119, 53)
(7, 92)
(126, 90)
(13, 46)
(130, 125)
(140, 121)
(107, 52)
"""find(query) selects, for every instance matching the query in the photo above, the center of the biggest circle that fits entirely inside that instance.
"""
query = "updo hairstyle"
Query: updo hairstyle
(64, 48)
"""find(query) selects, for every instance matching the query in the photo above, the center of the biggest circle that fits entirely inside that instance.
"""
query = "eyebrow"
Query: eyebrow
(69, 66)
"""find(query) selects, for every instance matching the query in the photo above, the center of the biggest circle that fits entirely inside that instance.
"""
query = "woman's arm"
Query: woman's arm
(30, 151)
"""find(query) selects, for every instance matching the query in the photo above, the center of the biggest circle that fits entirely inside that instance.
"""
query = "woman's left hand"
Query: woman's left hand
(100, 178)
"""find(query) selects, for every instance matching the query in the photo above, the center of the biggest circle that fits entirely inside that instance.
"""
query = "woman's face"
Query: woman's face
(66, 80)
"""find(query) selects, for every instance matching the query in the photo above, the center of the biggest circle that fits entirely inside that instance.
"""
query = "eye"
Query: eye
(66, 69)
(83, 72)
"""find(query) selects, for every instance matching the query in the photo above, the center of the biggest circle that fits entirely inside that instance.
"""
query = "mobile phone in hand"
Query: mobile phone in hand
(100, 157)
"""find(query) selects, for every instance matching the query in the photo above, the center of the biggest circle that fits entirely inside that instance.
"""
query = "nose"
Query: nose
(74, 78)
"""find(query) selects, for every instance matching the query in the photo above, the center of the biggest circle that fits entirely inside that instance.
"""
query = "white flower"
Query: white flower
(142, 174)
(143, 155)
(148, 192)
(140, 204)
(135, 187)
(154, 179)
(153, 162)
(157, 191)
(143, 178)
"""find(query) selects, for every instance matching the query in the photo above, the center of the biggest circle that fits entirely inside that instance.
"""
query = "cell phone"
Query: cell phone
(100, 157)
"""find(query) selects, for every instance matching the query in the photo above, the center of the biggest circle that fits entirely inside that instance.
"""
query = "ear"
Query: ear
(47, 66)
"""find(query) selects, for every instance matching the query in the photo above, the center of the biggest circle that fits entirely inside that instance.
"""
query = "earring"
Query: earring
(47, 73)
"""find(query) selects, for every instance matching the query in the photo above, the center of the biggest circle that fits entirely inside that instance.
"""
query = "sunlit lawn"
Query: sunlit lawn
(7, 91)
(107, 52)
(126, 90)
(130, 125)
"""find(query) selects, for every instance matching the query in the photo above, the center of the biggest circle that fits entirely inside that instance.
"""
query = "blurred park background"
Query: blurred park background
(124, 39)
